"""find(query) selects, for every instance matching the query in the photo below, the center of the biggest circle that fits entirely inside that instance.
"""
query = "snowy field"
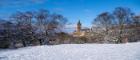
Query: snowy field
(129, 51)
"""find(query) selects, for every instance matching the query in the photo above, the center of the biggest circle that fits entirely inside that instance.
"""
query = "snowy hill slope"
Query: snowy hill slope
(129, 51)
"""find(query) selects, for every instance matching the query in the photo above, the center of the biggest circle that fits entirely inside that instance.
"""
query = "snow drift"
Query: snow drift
(129, 51)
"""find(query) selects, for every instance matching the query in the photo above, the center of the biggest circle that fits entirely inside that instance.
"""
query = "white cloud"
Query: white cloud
(70, 26)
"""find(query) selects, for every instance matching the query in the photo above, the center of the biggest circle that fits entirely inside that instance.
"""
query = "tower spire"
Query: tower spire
(79, 23)
(78, 26)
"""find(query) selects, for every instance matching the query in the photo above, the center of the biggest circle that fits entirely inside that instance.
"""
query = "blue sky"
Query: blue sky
(73, 10)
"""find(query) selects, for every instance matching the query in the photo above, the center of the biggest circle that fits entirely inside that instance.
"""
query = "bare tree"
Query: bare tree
(41, 17)
(122, 15)
(104, 21)
(24, 28)
(48, 24)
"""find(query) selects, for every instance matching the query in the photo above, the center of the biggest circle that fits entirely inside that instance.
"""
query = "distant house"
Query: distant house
(79, 31)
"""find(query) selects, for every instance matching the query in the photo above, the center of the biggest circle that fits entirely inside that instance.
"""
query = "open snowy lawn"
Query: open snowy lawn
(129, 51)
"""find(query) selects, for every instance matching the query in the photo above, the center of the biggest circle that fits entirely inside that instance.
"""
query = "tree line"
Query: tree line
(30, 28)
(121, 24)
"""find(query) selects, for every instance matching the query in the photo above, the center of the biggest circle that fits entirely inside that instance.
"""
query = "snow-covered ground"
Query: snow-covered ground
(129, 51)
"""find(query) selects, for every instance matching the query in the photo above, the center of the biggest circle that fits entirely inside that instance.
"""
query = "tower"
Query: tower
(79, 26)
